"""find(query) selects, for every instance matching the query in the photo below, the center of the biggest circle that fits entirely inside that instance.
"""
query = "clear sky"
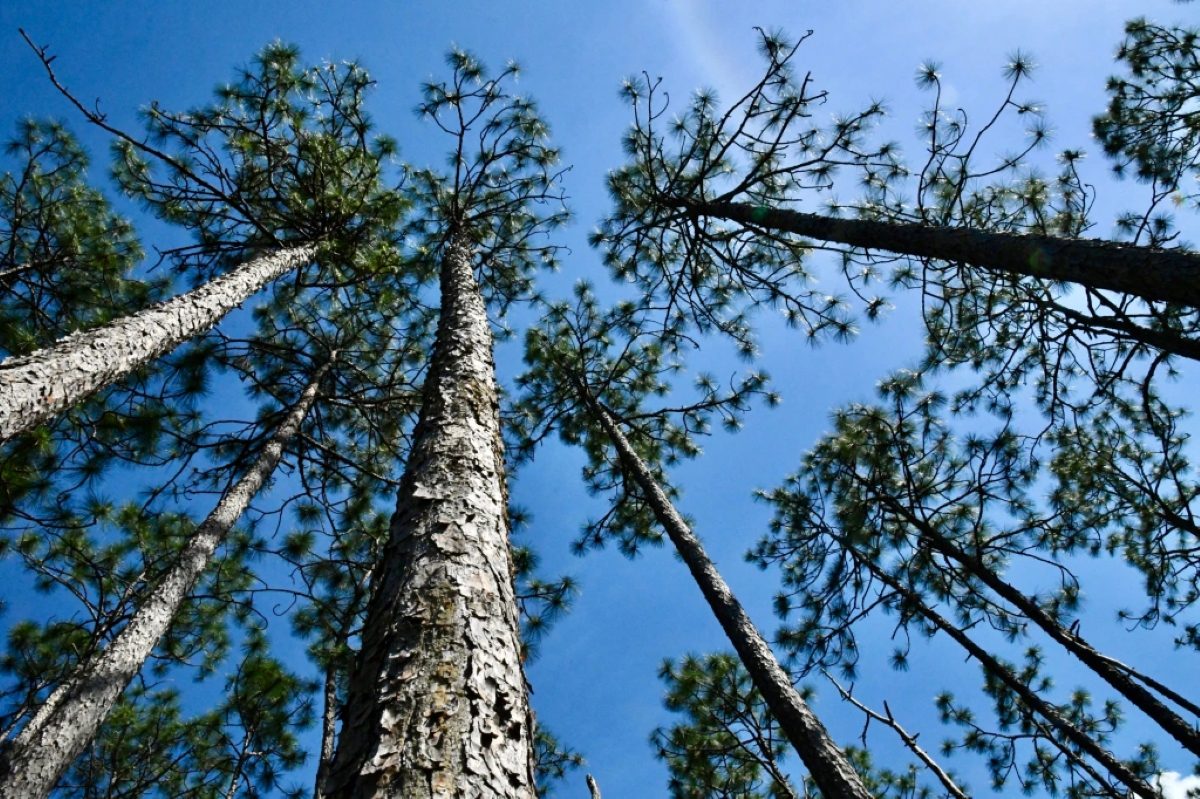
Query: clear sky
(595, 683)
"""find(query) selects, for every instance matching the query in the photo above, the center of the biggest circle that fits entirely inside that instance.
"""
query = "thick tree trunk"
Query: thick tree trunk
(1170, 721)
(36, 387)
(43, 750)
(826, 763)
(437, 706)
(1061, 724)
(1155, 275)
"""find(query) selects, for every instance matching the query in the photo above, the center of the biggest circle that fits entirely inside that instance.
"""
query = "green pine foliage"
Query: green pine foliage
(1058, 442)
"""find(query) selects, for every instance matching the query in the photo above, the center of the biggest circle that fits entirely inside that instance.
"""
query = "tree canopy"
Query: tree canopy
(266, 437)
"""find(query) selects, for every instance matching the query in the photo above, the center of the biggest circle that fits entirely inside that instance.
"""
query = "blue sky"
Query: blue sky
(595, 682)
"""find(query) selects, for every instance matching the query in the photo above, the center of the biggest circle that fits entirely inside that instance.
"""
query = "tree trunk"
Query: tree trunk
(437, 706)
(328, 730)
(44, 749)
(1170, 721)
(36, 387)
(1152, 274)
(826, 763)
(235, 779)
(1001, 672)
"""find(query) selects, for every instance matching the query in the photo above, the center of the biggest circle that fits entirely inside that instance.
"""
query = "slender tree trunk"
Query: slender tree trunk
(328, 730)
(826, 763)
(38, 386)
(1152, 274)
(1113, 674)
(1061, 724)
(235, 779)
(437, 706)
(44, 749)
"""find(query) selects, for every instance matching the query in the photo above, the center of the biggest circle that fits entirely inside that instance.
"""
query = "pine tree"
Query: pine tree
(581, 364)
(70, 716)
(238, 181)
(35, 387)
(748, 163)
(244, 746)
(66, 265)
(706, 220)
(730, 745)
(291, 185)
(891, 513)
(438, 701)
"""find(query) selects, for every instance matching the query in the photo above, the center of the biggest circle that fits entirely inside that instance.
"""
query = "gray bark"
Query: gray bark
(593, 788)
(38, 386)
(437, 706)
(1152, 274)
(44, 749)
(826, 763)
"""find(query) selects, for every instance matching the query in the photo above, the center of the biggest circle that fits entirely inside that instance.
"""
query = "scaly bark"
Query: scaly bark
(826, 763)
(1152, 274)
(437, 706)
(38, 386)
(44, 749)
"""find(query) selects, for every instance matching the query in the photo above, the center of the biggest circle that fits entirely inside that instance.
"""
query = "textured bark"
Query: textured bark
(1152, 274)
(36, 387)
(1113, 674)
(1061, 725)
(44, 749)
(826, 763)
(437, 706)
(593, 788)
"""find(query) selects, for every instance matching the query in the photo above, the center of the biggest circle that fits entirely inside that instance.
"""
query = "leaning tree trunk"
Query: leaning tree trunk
(1152, 274)
(44, 749)
(1115, 675)
(826, 763)
(36, 387)
(1068, 731)
(437, 706)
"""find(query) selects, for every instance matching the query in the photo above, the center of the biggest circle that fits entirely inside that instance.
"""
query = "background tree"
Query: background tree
(706, 220)
(730, 745)
(243, 747)
(278, 180)
(578, 366)
(843, 539)
(310, 118)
